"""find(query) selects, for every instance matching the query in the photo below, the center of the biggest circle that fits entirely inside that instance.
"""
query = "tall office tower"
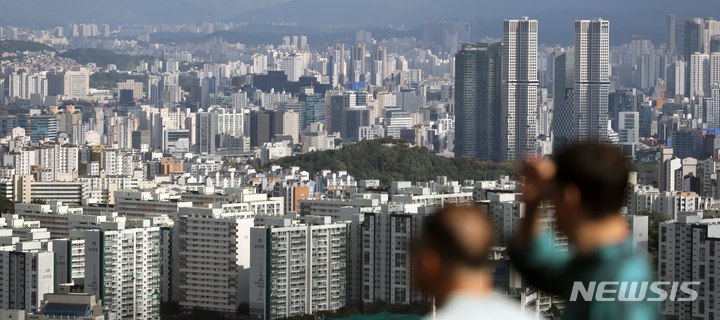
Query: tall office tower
(292, 67)
(519, 91)
(106, 31)
(295, 42)
(286, 41)
(675, 79)
(357, 63)
(259, 128)
(297, 268)
(592, 71)
(352, 120)
(338, 103)
(693, 43)
(207, 129)
(563, 75)
(153, 92)
(715, 43)
(315, 109)
(207, 87)
(2, 92)
(478, 95)
(671, 35)
(122, 268)
(216, 279)
(338, 70)
(699, 66)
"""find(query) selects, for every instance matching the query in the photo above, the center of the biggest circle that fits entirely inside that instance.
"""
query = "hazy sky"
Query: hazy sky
(645, 18)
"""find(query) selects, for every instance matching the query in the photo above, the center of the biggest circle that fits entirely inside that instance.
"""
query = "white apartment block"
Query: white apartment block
(689, 250)
(58, 218)
(297, 268)
(142, 204)
(230, 121)
(25, 276)
(27, 264)
(670, 204)
(237, 199)
(519, 92)
(504, 210)
(122, 268)
(213, 250)
(386, 253)
(70, 258)
(699, 64)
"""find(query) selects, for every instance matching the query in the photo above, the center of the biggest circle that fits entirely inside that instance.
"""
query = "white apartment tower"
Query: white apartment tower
(690, 251)
(297, 269)
(292, 66)
(213, 250)
(386, 253)
(592, 71)
(122, 268)
(699, 67)
(519, 101)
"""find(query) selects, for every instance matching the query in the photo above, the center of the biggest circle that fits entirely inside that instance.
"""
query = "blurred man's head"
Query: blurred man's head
(452, 251)
(591, 182)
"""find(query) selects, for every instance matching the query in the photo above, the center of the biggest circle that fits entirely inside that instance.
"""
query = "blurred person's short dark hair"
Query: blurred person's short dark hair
(599, 171)
(461, 235)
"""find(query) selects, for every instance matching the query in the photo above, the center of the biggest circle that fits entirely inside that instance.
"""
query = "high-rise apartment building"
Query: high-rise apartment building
(386, 253)
(519, 91)
(122, 268)
(207, 129)
(563, 75)
(478, 94)
(297, 268)
(292, 67)
(699, 67)
(688, 251)
(214, 273)
(591, 88)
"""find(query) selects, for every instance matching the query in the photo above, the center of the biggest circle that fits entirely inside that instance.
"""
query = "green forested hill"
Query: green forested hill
(103, 57)
(21, 46)
(372, 159)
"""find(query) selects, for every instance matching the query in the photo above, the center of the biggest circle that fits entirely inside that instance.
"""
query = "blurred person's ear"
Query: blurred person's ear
(430, 269)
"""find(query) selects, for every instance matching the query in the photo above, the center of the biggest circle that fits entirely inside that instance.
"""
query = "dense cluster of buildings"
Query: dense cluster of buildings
(143, 191)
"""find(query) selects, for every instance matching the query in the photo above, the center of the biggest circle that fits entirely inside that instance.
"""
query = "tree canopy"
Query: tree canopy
(21, 46)
(389, 160)
(103, 57)
(111, 79)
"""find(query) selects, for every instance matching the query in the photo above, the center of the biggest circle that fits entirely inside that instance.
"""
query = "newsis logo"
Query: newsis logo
(633, 291)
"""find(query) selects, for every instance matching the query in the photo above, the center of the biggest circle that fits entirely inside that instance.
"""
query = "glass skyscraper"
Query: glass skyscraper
(478, 94)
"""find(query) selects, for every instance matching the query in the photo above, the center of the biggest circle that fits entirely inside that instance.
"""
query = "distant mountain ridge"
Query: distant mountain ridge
(637, 17)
